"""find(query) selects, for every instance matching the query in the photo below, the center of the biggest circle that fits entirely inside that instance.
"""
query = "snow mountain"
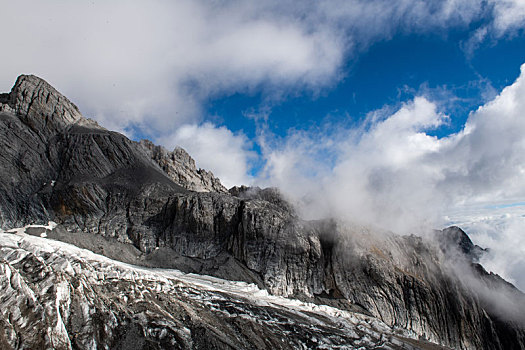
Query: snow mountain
(165, 227)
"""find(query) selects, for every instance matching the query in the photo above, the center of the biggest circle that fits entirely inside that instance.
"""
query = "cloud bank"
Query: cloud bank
(392, 173)
(146, 68)
(390, 170)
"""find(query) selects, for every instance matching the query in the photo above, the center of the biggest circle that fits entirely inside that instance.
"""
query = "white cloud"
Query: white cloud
(506, 18)
(215, 148)
(391, 173)
(152, 64)
(490, 150)
(509, 15)
(377, 176)
(378, 19)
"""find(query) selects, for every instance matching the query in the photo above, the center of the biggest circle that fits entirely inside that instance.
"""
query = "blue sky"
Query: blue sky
(388, 73)
(398, 113)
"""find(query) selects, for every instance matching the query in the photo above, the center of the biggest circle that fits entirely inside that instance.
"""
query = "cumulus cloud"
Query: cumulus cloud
(377, 176)
(508, 15)
(491, 149)
(390, 172)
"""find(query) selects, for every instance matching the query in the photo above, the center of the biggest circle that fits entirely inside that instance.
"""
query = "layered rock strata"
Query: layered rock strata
(58, 296)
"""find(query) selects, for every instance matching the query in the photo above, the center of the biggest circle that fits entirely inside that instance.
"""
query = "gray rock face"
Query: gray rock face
(40, 106)
(50, 151)
(180, 167)
(61, 297)
(97, 183)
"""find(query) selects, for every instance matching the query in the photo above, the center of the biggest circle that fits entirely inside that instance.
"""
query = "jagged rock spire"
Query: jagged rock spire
(181, 168)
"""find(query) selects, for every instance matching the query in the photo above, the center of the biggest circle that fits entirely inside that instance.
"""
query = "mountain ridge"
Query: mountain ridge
(187, 311)
(97, 183)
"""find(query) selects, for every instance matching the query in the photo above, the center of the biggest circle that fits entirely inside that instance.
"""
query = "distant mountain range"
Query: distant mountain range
(331, 284)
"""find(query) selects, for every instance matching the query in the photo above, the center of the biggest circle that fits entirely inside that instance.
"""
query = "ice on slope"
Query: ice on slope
(361, 331)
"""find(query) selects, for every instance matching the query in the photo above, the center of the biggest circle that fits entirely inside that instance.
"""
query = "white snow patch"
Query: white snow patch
(51, 225)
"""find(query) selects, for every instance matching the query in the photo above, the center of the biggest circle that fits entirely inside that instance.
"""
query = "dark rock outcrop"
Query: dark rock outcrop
(93, 182)
(51, 153)
(40, 106)
(454, 237)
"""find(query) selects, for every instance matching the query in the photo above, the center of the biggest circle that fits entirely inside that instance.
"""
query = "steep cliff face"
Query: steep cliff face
(97, 183)
(58, 296)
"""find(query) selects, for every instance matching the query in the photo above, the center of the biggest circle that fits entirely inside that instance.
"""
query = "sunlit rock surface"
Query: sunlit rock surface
(122, 199)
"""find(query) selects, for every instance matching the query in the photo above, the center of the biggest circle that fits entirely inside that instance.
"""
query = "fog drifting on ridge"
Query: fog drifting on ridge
(389, 172)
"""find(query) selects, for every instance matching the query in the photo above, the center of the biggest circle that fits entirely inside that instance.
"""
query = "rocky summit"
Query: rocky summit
(165, 227)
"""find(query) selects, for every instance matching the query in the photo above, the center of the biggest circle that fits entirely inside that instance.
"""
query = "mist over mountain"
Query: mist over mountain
(143, 205)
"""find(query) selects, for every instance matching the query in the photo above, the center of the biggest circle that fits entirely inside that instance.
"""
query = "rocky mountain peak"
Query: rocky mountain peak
(39, 105)
(36, 111)
(454, 236)
(181, 168)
